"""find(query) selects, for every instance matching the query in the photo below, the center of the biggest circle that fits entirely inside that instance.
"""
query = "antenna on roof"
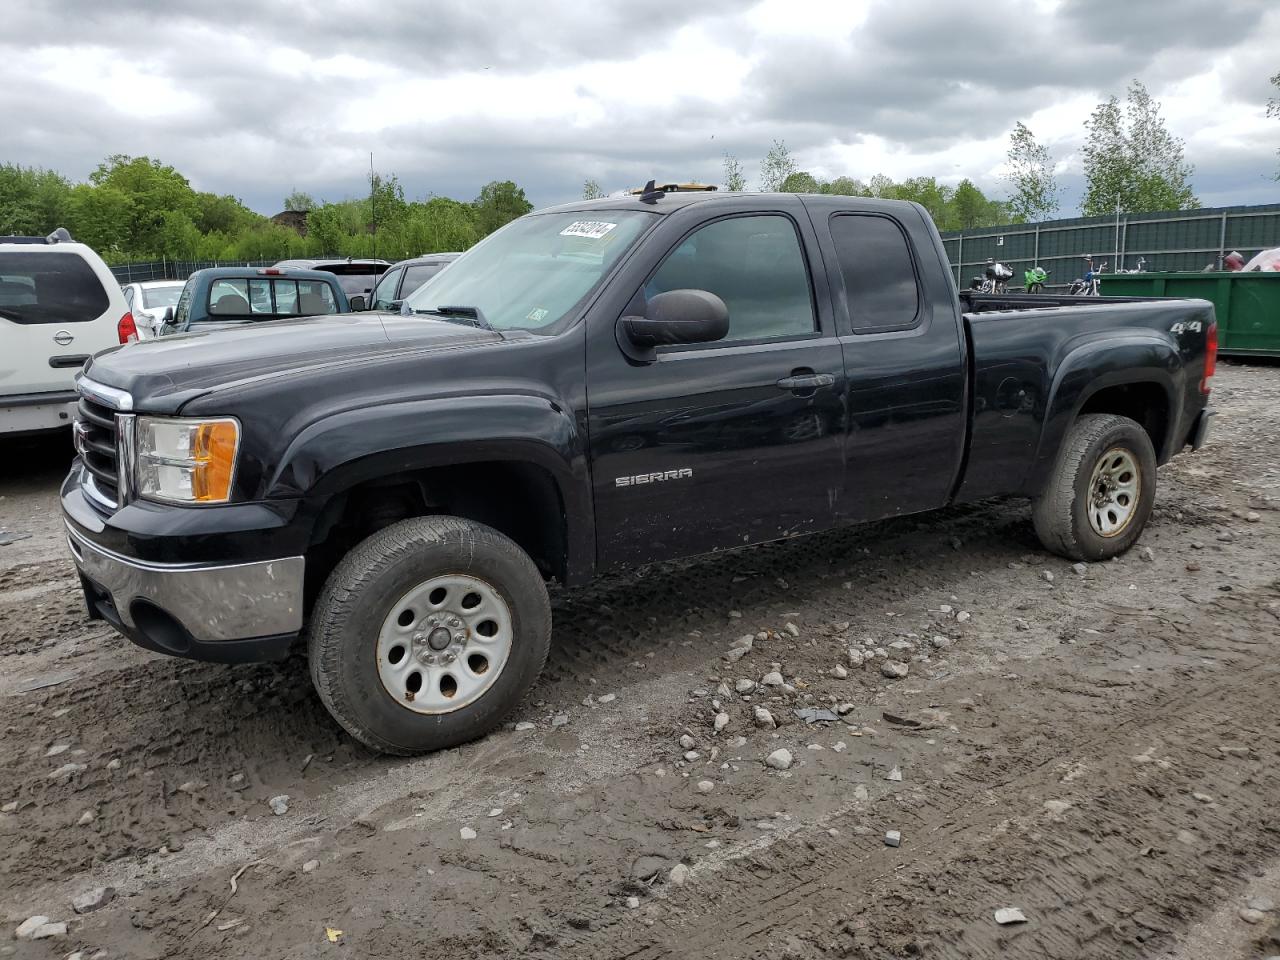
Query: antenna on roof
(651, 193)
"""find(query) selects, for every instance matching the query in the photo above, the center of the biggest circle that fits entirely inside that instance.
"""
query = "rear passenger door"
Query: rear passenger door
(721, 444)
(903, 355)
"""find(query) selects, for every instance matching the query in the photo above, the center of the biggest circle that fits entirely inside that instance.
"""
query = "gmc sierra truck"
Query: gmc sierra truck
(595, 386)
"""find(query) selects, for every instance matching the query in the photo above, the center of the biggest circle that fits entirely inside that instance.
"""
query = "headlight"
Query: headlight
(186, 461)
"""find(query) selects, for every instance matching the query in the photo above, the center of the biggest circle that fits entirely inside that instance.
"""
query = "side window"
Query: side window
(417, 275)
(879, 276)
(260, 296)
(229, 298)
(286, 297)
(183, 309)
(315, 297)
(385, 292)
(755, 265)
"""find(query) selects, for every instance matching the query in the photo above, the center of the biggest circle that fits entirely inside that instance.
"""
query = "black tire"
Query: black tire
(360, 594)
(1062, 513)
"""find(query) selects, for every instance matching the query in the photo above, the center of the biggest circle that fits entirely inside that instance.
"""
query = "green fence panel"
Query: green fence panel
(1247, 305)
(1169, 240)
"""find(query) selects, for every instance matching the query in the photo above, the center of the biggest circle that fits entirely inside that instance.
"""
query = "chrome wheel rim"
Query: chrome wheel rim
(444, 644)
(1114, 490)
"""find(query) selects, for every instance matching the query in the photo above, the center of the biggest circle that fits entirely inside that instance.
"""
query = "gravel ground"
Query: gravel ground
(1095, 746)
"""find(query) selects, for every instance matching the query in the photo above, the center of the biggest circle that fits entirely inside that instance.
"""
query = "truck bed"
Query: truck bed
(1035, 357)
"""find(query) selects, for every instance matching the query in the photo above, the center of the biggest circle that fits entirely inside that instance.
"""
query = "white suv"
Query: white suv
(59, 305)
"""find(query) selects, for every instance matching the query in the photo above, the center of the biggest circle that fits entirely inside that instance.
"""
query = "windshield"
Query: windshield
(534, 271)
(156, 298)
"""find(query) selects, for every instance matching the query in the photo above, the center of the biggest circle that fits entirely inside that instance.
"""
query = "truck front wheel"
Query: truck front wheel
(1101, 492)
(428, 633)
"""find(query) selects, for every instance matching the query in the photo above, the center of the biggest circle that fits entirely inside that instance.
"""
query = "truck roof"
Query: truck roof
(671, 202)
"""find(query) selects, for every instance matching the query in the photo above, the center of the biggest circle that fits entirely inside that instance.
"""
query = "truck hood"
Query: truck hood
(166, 372)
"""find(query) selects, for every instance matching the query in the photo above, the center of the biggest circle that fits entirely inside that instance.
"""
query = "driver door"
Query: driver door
(722, 444)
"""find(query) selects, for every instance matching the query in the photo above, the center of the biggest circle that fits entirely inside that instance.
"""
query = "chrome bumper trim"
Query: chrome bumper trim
(213, 603)
(107, 396)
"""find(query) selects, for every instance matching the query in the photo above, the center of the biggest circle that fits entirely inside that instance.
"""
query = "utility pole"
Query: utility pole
(1115, 258)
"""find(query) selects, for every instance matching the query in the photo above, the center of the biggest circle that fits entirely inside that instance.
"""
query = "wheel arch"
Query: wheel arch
(1138, 376)
(515, 464)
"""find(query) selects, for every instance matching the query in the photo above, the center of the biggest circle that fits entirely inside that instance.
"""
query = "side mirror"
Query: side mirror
(395, 306)
(164, 320)
(358, 303)
(674, 317)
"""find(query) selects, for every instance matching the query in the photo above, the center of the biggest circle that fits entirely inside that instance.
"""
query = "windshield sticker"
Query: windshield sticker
(537, 314)
(591, 229)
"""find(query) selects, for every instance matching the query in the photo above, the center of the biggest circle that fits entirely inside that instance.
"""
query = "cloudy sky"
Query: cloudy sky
(257, 99)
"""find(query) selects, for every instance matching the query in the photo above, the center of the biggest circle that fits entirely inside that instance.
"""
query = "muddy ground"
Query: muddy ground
(1100, 749)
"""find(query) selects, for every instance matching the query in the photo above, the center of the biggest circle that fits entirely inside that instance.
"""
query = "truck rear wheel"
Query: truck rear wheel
(428, 633)
(1101, 492)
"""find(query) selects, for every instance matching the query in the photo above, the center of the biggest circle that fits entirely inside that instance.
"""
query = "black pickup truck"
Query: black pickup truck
(596, 385)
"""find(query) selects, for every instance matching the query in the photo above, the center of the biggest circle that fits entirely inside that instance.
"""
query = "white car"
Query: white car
(147, 300)
(59, 305)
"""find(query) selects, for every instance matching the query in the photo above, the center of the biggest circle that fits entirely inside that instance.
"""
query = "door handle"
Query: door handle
(806, 381)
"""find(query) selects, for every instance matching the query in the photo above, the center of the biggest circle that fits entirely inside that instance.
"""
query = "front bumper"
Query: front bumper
(229, 613)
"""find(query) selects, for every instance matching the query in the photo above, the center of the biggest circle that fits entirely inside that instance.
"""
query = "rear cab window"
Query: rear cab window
(43, 287)
(263, 299)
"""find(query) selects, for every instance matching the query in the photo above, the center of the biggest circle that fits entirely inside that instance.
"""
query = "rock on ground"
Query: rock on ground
(780, 759)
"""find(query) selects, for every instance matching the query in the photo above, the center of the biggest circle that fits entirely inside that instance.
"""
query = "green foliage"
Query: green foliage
(299, 202)
(136, 208)
(965, 207)
(591, 190)
(1132, 161)
(776, 167)
(733, 177)
(799, 182)
(500, 202)
(1030, 174)
(30, 198)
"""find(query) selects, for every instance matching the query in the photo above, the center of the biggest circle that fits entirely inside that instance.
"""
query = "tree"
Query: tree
(1030, 172)
(969, 207)
(799, 182)
(1131, 160)
(776, 166)
(591, 190)
(32, 201)
(733, 178)
(299, 202)
(844, 187)
(1273, 110)
(500, 202)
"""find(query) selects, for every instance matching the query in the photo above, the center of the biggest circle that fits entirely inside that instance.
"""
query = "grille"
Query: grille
(96, 443)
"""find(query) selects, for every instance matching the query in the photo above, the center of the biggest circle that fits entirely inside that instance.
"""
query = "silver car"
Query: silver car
(147, 301)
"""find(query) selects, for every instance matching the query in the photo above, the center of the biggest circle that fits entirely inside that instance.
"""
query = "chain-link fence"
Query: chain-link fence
(165, 269)
(1166, 241)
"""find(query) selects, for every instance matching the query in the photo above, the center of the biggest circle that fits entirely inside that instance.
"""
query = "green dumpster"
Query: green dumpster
(1247, 305)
